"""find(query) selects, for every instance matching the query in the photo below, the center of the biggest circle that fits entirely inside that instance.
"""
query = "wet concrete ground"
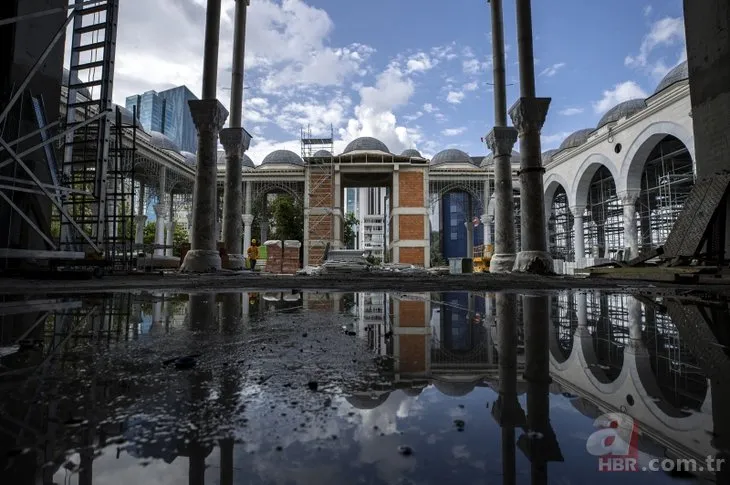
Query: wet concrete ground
(369, 387)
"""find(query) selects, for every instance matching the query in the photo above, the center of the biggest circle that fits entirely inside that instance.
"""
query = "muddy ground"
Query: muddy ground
(224, 281)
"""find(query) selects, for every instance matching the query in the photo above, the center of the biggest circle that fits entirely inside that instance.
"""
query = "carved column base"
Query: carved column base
(201, 261)
(502, 263)
(535, 262)
(236, 262)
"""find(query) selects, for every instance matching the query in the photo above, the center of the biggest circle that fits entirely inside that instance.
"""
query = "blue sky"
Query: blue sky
(411, 72)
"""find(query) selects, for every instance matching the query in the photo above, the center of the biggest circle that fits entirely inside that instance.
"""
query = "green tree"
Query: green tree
(179, 237)
(149, 233)
(350, 232)
(287, 216)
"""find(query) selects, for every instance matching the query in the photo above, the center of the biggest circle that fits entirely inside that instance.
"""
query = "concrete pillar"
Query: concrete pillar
(141, 221)
(579, 244)
(160, 213)
(170, 237)
(190, 226)
(235, 141)
(631, 236)
(501, 140)
(209, 116)
(528, 116)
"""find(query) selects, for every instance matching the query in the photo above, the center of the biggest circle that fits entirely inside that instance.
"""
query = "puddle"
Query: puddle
(321, 387)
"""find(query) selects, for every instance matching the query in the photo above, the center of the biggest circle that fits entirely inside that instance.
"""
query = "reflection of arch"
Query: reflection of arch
(455, 387)
(582, 181)
(638, 152)
(564, 321)
(367, 401)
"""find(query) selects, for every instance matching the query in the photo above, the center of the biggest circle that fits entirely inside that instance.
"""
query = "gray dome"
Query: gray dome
(322, 154)
(576, 139)
(190, 158)
(246, 161)
(488, 160)
(83, 92)
(412, 153)
(282, 157)
(622, 110)
(161, 141)
(455, 388)
(547, 156)
(451, 155)
(366, 401)
(679, 73)
(221, 160)
(366, 144)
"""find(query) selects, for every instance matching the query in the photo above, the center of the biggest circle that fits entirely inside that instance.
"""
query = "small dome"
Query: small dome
(451, 155)
(547, 156)
(412, 153)
(576, 139)
(679, 73)
(366, 144)
(282, 157)
(83, 91)
(488, 160)
(246, 162)
(190, 158)
(367, 401)
(621, 110)
(322, 154)
(161, 141)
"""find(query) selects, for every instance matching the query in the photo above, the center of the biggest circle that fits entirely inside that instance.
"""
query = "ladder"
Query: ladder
(89, 105)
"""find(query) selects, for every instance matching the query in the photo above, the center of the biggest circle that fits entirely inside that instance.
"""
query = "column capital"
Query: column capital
(501, 140)
(629, 197)
(577, 210)
(247, 219)
(528, 114)
(141, 218)
(486, 218)
(208, 114)
(235, 140)
(161, 210)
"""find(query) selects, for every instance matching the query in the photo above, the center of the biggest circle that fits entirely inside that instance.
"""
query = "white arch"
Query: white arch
(633, 163)
(551, 184)
(578, 194)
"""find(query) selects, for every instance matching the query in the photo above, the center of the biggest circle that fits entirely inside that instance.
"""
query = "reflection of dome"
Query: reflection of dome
(412, 391)
(83, 91)
(489, 159)
(411, 153)
(576, 139)
(455, 388)
(190, 158)
(621, 110)
(547, 156)
(161, 141)
(282, 157)
(366, 401)
(679, 73)
(322, 154)
(366, 144)
(451, 155)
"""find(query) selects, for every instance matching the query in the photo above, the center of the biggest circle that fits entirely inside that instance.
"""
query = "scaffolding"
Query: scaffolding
(321, 195)
(603, 227)
(560, 227)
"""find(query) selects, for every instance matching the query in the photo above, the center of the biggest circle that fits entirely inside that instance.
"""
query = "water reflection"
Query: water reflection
(289, 387)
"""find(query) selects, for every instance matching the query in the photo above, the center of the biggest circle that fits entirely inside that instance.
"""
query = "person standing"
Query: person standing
(253, 254)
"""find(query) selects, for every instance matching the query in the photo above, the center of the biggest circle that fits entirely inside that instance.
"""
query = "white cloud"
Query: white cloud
(429, 108)
(454, 131)
(472, 86)
(550, 71)
(571, 111)
(414, 116)
(419, 63)
(647, 10)
(666, 32)
(554, 140)
(620, 92)
(455, 97)
(319, 116)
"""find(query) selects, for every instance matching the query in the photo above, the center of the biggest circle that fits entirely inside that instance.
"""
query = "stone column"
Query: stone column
(141, 221)
(247, 224)
(486, 227)
(501, 140)
(631, 235)
(209, 116)
(160, 212)
(528, 116)
(235, 141)
(190, 226)
(170, 237)
(579, 245)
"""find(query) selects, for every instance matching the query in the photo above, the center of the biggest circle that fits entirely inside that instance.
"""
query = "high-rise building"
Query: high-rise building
(167, 112)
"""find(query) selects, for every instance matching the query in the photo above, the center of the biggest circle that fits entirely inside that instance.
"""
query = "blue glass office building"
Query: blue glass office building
(167, 112)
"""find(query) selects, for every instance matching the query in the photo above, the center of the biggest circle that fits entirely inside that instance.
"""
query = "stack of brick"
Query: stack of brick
(274, 256)
(290, 259)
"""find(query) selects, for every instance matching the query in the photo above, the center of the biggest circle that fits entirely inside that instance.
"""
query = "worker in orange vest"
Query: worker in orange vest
(253, 254)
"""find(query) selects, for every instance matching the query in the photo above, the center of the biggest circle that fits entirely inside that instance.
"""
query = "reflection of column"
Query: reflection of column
(631, 236)
(528, 116)
(634, 307)
(578, 235)
(232, 311)
(202, 311)
(160, 213)
(581, 306)
(541, 445)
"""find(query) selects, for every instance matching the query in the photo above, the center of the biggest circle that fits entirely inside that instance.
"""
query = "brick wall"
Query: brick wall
(410, 189)
(412, 313)
(320, 225)
(412, 353)
(411, 227)
(413, 256)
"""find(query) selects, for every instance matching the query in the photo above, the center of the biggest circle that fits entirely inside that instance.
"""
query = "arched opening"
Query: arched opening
(564, 324)
(460, 220)
(560, 227)
(608, 321)
(603, 217)
(666, 180)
